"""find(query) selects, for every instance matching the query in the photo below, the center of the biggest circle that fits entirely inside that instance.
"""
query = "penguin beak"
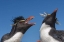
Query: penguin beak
(28, 19)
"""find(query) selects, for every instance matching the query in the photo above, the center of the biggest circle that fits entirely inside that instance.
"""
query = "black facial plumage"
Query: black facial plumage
(51, 19)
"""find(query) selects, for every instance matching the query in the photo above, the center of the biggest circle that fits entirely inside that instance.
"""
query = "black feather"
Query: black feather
(17, 19)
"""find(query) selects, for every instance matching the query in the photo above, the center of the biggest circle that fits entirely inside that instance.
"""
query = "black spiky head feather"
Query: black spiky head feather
(17, 19)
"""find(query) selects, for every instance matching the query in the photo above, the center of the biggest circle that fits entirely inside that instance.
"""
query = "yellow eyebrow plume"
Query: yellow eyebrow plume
(22, 20)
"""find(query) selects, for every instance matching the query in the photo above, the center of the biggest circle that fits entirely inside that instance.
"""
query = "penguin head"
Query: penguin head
(22, 25)
(50, 19)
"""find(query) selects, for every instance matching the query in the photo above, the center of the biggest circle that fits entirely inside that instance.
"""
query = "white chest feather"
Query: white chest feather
(44, 34)
(16, 38)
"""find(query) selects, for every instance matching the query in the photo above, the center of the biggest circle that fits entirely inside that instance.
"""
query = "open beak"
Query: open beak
(28, 19)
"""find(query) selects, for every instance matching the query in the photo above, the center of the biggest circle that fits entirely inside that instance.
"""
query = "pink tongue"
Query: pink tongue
(29, 18)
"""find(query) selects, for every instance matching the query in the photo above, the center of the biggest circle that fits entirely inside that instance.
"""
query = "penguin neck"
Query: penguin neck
(16, 35)
(15, 38)
(53, 25)
(13, 30)
(44, 25)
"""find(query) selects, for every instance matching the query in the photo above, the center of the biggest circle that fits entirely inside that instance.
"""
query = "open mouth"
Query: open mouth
(28, 19)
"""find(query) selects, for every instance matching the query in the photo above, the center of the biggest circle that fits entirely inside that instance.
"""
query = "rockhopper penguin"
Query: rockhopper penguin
(19, 28)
